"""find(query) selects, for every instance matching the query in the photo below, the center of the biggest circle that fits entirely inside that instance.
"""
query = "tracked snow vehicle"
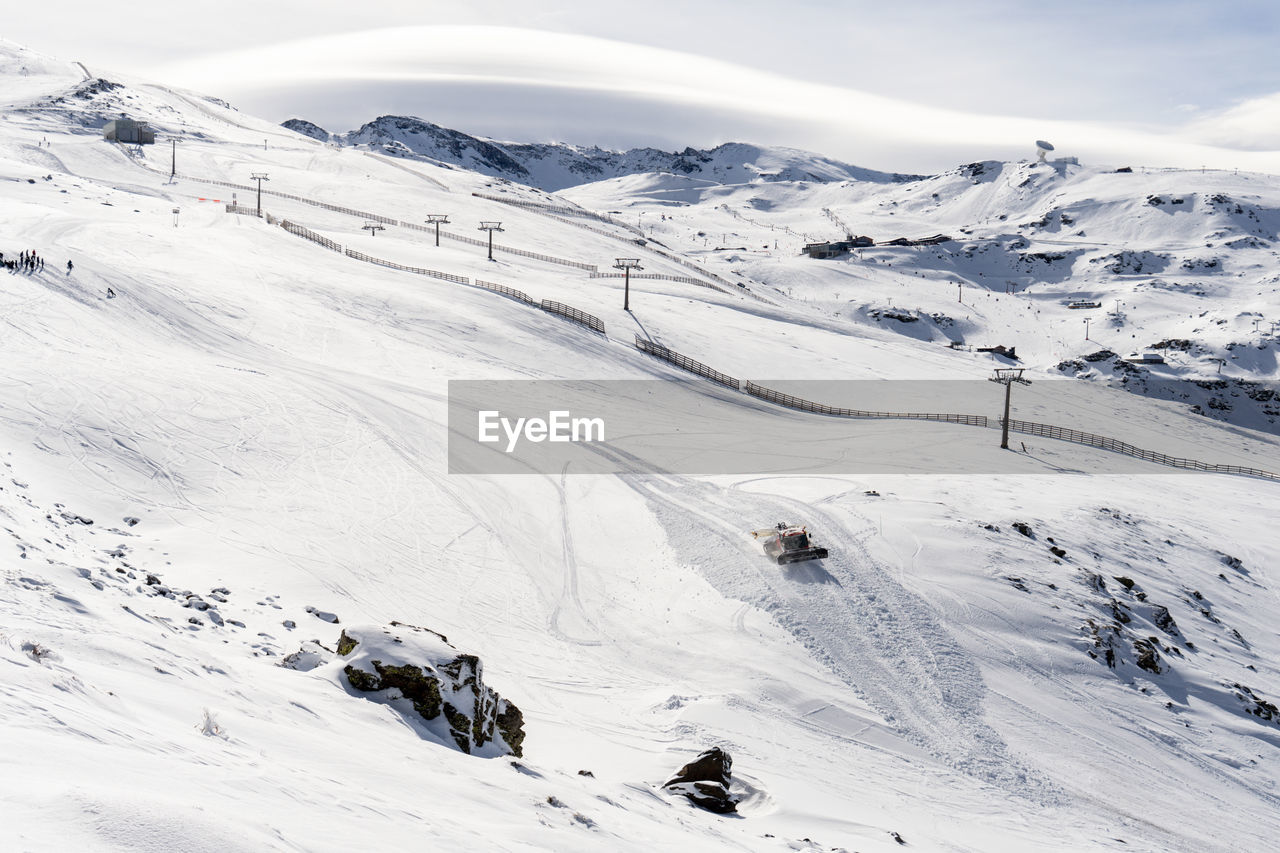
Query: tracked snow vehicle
(788, 543)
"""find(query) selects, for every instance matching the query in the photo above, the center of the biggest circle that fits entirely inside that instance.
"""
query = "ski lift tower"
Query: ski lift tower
(490, 227)
(173, 158)
(1006, 376)
(437, 219)
(627, 265)
(259, 177)
(373, 228)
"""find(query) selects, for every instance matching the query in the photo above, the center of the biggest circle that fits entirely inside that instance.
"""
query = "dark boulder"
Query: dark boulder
(705, 781)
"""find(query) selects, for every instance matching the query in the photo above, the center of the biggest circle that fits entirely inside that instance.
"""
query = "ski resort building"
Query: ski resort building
(129, 131)
(834, 250)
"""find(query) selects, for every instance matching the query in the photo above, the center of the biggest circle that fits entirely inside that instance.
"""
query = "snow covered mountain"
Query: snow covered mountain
(554, 166)
(1080, 268)
(242, 582)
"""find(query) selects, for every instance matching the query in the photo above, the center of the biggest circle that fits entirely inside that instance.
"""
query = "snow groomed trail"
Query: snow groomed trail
(877, 636)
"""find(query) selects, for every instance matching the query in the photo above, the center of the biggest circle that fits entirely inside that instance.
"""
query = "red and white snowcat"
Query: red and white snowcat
(788, 543)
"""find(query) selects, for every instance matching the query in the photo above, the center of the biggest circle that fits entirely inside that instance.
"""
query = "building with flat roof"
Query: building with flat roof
(129, 131)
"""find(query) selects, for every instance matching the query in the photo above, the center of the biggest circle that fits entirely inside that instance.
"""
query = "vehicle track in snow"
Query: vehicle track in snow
(878, 637)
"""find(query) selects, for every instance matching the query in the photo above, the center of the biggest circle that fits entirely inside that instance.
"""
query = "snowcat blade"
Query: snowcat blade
(801, 556)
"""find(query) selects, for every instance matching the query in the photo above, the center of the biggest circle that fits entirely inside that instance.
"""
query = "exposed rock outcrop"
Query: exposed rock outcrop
(418, 672)
(705, 781)
(307, 128)
(1148, 654)
(1163, 620)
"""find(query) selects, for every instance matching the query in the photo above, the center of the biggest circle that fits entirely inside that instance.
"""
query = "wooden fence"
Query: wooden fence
(447, 276)
(570, 313)
(685, 363)
(791, 402)
(1102, 442)
(307, 233)
(519, 295)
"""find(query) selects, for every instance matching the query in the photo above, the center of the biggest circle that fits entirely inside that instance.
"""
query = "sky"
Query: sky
(915, 86)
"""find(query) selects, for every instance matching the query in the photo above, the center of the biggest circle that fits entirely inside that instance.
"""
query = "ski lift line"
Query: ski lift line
(664, 277)
(458, 237)
(374, 217)
(736, 215)
(564, 210)
(550, 306)
(534, 207)
(786, 400)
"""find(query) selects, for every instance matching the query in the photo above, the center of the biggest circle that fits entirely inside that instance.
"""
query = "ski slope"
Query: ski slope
(275, 416)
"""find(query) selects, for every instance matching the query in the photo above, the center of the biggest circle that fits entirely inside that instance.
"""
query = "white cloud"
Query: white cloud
(543, 80)
(1253, 125)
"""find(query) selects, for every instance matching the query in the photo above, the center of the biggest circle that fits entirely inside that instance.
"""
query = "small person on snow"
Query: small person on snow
(111, 294)
(70, 266)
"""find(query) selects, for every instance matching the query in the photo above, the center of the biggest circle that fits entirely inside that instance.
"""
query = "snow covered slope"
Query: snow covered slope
(554, 166)
(1040, 659)
(1180, 262)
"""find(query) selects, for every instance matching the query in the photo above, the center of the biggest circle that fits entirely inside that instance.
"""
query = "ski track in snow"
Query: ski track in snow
(567, 619)
(569, 594)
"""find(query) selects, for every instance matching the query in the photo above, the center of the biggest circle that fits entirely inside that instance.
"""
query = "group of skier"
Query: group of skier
(27, 262)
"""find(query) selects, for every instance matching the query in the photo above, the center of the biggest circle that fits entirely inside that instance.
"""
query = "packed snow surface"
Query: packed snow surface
(244, 449)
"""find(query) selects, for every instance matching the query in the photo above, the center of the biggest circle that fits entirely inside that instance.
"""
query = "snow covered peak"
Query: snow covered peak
(554, 166)
(307, 128)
